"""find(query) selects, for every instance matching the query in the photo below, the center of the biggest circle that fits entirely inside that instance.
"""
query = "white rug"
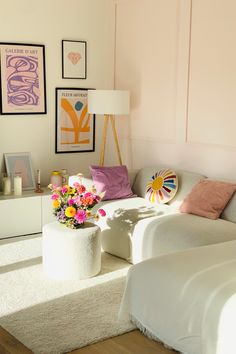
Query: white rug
(56, 317)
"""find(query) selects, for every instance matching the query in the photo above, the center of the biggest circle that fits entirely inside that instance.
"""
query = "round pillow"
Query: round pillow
(162, 187)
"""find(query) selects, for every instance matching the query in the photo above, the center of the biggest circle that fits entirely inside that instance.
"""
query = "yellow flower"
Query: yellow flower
(70, 212)
(55, 204)
(71, 190)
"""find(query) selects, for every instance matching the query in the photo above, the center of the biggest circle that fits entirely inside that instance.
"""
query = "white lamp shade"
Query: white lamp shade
(108, 102)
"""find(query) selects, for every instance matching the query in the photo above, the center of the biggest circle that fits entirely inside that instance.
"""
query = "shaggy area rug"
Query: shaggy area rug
(57, 316)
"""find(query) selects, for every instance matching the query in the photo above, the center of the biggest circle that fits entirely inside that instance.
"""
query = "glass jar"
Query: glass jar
(56, 179)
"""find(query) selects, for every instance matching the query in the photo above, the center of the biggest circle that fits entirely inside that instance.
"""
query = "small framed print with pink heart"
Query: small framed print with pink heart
(74, 59)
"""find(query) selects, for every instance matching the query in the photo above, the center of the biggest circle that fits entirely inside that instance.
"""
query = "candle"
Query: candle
(17, 185)
(6, 185)
(38, 176)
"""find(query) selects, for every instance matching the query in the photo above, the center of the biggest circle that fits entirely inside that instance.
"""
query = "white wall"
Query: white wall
(178, 59)
(48, 22)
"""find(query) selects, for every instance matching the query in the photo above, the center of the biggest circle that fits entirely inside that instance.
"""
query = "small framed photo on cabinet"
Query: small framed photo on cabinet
(20, 164)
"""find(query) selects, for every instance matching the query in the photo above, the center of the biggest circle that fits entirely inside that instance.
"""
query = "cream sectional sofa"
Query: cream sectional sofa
(186, 299)
(136, 229)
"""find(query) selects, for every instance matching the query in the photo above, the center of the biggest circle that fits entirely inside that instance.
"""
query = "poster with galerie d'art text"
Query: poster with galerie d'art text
(22, 79)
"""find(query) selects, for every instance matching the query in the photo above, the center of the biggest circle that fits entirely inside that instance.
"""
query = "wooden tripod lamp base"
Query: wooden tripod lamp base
(108, 117)
(108, 103)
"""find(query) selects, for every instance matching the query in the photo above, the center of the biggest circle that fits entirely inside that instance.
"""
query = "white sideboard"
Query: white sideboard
(25, 214)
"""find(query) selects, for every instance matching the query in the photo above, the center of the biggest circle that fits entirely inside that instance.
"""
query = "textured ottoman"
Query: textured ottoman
(71, 253)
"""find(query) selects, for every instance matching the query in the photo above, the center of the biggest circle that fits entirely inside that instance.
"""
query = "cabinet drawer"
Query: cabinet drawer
(20, 216)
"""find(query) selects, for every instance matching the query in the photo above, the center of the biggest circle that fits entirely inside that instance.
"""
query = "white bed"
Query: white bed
(187, 299)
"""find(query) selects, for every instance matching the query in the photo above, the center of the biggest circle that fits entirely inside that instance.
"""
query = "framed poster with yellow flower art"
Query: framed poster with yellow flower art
(162, 187)
(75, 128)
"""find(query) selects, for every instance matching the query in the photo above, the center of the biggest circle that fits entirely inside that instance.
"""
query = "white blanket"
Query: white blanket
(187, 299)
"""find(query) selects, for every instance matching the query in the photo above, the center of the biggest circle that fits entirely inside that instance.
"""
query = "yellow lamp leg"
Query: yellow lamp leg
(116, 138)
(104, 138)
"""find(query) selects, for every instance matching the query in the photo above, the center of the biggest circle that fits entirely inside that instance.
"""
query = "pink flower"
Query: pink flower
(78, 200)
(71, 201)
(88, 195)
(81, 189)
(64, 190)
(55, 196)
(102, 212)
(81, 216)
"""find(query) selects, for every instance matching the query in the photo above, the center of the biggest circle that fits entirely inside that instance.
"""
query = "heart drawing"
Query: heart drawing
(74, 57)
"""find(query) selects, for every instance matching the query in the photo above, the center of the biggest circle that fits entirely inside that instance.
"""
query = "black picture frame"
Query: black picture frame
(74, 128)
(74, 59)
(22, 79)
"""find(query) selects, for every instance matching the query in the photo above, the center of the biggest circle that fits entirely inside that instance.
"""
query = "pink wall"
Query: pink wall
(177, 59)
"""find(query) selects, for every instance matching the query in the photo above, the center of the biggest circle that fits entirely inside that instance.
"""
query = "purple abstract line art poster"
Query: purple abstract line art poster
(23, 88)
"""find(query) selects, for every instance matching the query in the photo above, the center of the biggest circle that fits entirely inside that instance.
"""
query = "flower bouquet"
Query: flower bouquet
(72, 205)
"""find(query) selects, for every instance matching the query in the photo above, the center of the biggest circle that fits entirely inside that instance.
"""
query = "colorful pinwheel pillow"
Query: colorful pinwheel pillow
(162, 187)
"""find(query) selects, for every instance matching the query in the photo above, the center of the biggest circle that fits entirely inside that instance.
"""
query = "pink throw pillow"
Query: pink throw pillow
(208, 198)
(113, 180)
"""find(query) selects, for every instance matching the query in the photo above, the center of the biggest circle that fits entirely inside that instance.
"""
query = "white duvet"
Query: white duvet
(186, 299)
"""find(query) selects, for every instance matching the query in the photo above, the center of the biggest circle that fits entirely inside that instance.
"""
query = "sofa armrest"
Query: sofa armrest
(85, 180)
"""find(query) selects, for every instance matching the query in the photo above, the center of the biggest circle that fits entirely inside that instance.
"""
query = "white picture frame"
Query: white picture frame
(21, 164)
(74, 59)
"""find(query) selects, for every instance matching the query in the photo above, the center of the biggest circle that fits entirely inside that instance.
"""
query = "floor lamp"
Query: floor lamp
(108, 103)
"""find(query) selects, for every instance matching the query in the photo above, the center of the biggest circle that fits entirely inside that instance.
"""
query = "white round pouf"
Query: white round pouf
(71, 253)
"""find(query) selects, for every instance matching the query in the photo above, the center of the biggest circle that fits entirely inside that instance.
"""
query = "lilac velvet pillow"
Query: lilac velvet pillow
(208, 198)
(113, 180)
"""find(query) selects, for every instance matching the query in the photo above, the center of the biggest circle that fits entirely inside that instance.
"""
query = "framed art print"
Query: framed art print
(75, 128)
(22, 81)
(74, 59)
(21, 164)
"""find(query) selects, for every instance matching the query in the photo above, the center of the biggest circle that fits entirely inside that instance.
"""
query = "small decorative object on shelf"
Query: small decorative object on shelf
(6, 181)
(17, 185)
(38, 188)
(56, 179)
(65, 176)
(72, 206)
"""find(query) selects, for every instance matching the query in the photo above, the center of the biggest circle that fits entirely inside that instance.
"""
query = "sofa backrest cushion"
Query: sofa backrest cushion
(229, 213)
(162, 186)
(186, 181)
(208, 198)
(113, 180)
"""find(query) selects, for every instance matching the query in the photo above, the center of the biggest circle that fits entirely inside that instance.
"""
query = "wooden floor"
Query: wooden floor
(129, 343)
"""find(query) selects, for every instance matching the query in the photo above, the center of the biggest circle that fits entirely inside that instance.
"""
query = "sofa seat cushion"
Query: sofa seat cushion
(187, 299)
(176, 232)
(121, 218)
(136, 229)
